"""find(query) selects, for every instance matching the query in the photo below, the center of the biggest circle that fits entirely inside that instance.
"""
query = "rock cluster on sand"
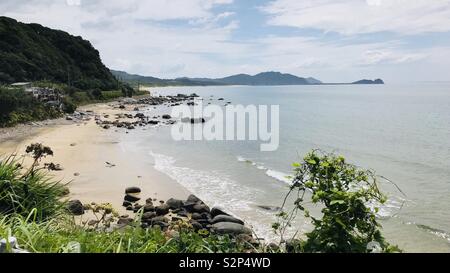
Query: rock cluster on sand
(132, 121)
(192, 211)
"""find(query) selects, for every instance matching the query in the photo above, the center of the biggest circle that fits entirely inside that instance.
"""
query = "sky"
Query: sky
(331, 40)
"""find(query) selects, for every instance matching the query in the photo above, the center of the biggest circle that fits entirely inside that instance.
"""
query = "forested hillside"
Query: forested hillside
(31, 52)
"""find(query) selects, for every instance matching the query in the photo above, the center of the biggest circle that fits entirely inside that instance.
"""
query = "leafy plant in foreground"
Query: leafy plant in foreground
(25, 190)
(348, 196)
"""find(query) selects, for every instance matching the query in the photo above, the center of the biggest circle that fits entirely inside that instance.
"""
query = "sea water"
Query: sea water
(400, 131)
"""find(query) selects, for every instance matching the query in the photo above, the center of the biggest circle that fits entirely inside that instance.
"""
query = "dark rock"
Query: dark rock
(131, 198)
(122, 107)
(125, 221)
(149, 207)
(149, 201)
(217, 211)
(137, 208)
(148, 215)
(193, 199)
(197, 120)
(182, 213)
(200, 208)
(230, 228)
(270, 208)
(127, 204)
(133, 190)
(174, 203)
(158, 219)
(166, 117)
(226, 218)
(203, 222)
(176, 210)
(162, 209)
(176, 219)
(163, 225)
(75, 207)
(196, 216)
(196, 225)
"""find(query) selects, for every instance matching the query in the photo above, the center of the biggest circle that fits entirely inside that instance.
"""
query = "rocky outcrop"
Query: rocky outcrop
(192, 211)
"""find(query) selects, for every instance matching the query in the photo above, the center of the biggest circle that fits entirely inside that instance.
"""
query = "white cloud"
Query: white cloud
(362, 16)
(132, 35)
(140, 37)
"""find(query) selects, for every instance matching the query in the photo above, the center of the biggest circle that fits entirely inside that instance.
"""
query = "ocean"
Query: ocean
(400, 131)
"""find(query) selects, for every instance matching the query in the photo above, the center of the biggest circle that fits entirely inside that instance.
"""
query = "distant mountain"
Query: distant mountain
(152, 81)
(377, 81)
(265, 78)
(31, 52)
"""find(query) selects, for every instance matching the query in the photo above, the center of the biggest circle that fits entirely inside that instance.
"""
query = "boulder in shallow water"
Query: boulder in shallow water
(193, 199)
(217, 211)
(270, 208)
(230, 228)
(226, 218)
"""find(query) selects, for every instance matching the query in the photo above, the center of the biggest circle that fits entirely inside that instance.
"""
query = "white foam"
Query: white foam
(219, 190)
(280, 176)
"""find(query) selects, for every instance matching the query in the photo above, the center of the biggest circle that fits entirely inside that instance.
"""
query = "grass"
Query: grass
(31, 210)
(22, 192)
(59, 234)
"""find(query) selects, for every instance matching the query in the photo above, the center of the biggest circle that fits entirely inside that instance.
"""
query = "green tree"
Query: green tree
(350, 198)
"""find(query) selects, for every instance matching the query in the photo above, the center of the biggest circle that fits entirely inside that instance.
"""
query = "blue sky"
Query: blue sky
(332, 40)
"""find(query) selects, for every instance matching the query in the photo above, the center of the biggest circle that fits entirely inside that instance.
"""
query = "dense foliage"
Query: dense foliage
(17, 106)
(24, 191)
(350, 198)
(31, 52)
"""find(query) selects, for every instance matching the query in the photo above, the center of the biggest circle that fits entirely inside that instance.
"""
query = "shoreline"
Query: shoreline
(82, 149)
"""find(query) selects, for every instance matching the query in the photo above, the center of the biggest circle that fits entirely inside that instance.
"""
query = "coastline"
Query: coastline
(82, 149)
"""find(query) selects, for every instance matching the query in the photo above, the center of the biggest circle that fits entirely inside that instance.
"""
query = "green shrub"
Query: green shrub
(69, 106)
(350, 198)
(17, 106)
(22, 191)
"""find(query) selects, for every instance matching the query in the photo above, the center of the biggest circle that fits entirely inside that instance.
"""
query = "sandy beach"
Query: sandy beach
(83, 150)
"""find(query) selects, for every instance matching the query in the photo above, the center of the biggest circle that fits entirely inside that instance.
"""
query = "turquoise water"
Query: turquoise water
(401, 131)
